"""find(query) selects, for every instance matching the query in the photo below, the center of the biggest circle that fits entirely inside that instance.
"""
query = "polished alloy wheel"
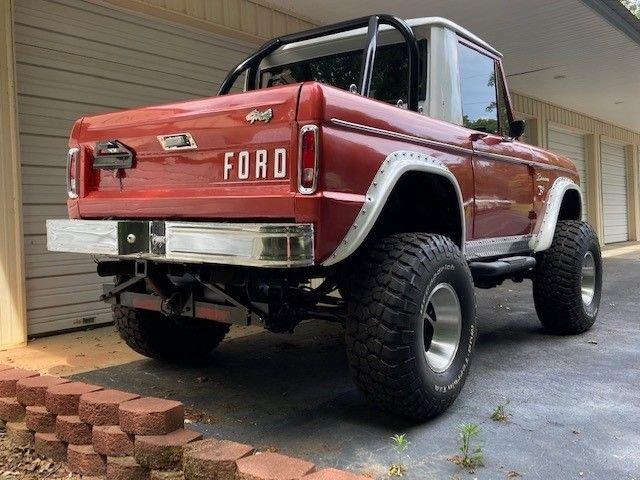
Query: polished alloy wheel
(588, 280)
(442, 326)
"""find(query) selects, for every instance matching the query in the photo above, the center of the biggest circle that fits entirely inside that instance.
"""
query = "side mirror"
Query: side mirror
(516, 128)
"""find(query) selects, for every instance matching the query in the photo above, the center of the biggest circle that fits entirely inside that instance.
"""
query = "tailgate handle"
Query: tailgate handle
(112, 155)
(177, 141)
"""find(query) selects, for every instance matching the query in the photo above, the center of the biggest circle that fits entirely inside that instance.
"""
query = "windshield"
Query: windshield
(388, 83)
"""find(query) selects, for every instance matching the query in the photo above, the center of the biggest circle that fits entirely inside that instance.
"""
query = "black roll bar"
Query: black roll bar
(252, 63)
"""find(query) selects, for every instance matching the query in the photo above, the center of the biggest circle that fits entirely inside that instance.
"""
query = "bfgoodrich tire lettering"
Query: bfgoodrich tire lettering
(178, 340)
(385, 341)
(559, 278)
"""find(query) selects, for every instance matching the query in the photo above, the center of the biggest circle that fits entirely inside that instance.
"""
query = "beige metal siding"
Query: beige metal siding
(571, 145)
(252, 17)
(75, 58)
(614, 193)
(548, 112)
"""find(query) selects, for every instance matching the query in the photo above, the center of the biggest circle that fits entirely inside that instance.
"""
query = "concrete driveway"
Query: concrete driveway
(574, 402)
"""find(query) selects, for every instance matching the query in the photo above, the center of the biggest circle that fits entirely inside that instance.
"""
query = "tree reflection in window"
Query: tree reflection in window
(478, 90)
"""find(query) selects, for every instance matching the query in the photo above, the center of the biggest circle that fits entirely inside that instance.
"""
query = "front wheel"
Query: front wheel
(567, 280)
(411, 324)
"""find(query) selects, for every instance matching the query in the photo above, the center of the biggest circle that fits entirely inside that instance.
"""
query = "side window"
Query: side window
(478, 90)
(503, 111)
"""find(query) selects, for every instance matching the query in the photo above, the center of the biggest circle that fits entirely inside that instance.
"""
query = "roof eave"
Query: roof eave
(618, 15)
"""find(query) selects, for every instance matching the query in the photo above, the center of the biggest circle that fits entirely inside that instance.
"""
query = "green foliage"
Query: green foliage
(471, 455)
(500, 414)
(489, 125)
(400, 445)
(633, 6)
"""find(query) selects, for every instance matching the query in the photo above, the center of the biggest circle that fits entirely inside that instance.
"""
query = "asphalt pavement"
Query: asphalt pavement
(573, 402)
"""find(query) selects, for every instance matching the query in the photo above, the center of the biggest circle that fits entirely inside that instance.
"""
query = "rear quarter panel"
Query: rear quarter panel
(351, 157)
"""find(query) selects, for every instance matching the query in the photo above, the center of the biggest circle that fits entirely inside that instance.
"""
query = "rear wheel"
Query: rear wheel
(567, 280)
(411, 324)
(175, 339)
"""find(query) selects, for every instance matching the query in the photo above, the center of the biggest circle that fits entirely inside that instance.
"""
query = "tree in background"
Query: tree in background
(633, 6)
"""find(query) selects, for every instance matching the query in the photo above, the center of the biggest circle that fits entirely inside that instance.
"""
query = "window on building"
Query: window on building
(478, 89)
(390, 72)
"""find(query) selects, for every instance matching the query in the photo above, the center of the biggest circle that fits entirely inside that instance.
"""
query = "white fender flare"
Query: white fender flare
(542, 239)
(394, 166)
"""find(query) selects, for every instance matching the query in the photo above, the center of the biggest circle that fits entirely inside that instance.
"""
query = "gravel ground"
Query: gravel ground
(18, 463)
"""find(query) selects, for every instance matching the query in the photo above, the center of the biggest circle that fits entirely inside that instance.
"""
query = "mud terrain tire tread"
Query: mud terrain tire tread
(164, 338)
(383, 304)
(556, 293)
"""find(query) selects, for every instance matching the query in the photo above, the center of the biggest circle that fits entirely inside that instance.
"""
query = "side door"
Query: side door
(503, 176)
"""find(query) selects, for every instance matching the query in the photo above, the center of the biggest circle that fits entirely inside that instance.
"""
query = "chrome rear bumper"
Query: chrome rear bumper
(249, 244)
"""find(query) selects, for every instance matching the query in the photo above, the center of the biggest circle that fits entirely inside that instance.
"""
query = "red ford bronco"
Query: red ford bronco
(367, 173)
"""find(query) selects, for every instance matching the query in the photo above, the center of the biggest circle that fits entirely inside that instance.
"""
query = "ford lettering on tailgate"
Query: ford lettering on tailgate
(255, 164)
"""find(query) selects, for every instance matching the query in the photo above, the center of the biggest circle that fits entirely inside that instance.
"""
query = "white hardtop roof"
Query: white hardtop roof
(414, 23)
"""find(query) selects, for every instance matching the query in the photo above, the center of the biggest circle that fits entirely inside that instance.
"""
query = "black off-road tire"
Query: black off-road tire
(558, 278)
(178, 340)
(385, 324)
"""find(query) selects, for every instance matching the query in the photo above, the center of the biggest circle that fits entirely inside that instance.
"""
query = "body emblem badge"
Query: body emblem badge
(258, 116)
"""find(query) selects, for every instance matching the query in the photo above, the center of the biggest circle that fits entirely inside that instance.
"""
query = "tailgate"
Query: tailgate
(190, 159)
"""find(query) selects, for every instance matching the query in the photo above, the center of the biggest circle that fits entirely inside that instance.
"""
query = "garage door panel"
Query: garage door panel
(73, 87)
(62, 296)
(67, 281)
(152, 46)
(54, 108)
(616, 186)
(36, 175)
(44, 126)
(99, 57)
(43, 193)
(69, 267)
(40, 261)
(134, 74)
(46, 152)
(614, 193)
(153, 36)
(46, 320)
(571, 145)
(135, 66)
(76, 58)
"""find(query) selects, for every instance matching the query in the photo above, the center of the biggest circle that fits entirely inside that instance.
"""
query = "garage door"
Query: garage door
(571, 145)
(75, 58)
(614, 193)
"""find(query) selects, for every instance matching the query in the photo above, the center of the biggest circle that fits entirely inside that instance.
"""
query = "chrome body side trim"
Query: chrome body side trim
(543, 236)
(401, 136)
(247, 244)
(497, 246)
(442, 145)
(393, 167)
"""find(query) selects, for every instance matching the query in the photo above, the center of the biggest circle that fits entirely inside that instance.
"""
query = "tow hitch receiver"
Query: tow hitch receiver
(171, 299)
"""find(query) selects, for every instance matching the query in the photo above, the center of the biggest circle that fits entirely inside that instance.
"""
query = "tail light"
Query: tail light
(308, 159)
(73, 163)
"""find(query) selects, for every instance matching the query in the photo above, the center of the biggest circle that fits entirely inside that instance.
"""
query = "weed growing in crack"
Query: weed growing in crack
(471, 456)
(400, 445)
(500, 413)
